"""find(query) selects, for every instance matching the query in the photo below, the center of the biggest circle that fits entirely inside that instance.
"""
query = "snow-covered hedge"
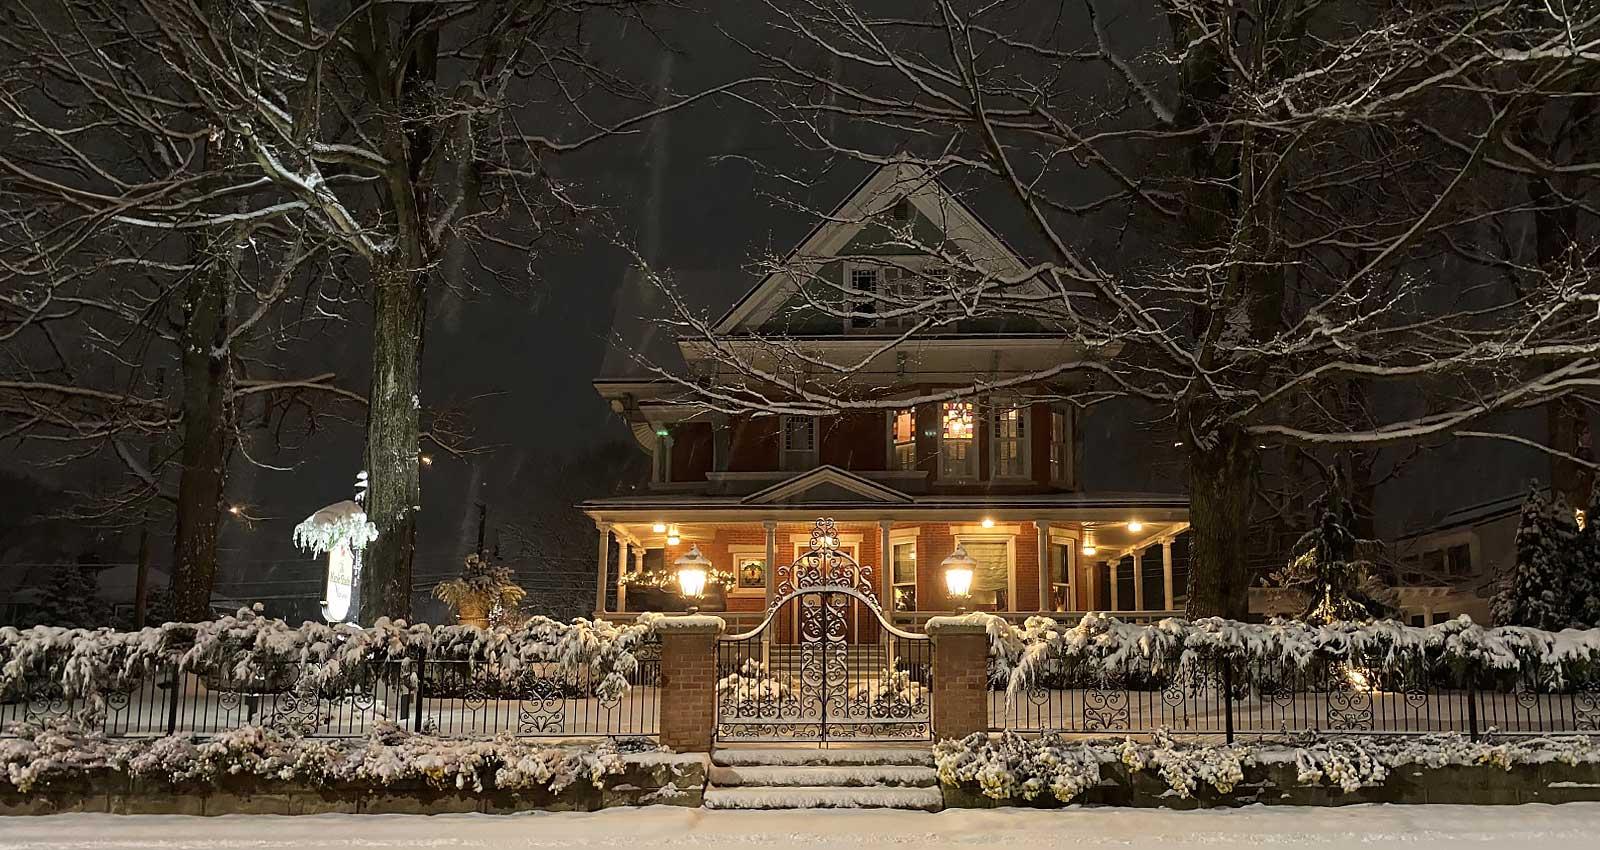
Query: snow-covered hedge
(1043, 649)
(1008, 766)
(390, 755)
(87, 663)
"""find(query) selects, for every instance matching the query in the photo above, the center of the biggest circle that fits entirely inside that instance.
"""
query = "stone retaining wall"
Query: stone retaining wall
(1277, 785)
(650, 779)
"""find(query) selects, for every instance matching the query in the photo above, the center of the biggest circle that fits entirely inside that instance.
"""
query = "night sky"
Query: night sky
(687, 192)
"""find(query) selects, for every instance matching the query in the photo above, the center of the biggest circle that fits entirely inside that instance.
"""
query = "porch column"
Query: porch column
(1138, 580)
(1043, 529)
(886, 577)
(605, 554)
(771, 576)
(624, 551)
(1111, 575)
(1166, 574)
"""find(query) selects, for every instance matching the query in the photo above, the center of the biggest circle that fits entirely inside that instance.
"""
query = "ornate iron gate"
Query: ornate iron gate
(824, 664)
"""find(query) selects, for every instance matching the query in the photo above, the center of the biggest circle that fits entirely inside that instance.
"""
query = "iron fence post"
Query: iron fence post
(1227, 698)
(174, 693)
(1472, 710)
(416, 696)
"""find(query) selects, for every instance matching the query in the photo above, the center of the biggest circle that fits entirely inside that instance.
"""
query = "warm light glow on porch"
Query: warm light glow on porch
(958, 568)
(1088, 543)
(988, 523)
(1135, 526)
(659, 528)
(693, 568)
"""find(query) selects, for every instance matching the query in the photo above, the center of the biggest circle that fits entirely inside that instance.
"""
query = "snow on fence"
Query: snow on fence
(543, 679)
(1226, 679)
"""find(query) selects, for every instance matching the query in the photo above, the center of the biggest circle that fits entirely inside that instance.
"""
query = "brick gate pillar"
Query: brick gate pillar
(960, 677)
(689, 681)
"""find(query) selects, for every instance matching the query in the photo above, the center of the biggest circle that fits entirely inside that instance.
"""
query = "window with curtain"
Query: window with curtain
(903, 439)
(905, 576)
(958, 457)
(1009, 439)
(991, 578)
(1061, 577)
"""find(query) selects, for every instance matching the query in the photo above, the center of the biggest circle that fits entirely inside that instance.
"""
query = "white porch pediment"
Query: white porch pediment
(826, 484)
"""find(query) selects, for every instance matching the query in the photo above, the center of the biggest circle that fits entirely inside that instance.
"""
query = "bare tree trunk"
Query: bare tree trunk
(206, 430)
(1222, 485)
(394, 488)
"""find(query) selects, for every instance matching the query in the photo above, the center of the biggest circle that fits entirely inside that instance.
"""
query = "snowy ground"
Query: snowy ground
(1531, 827)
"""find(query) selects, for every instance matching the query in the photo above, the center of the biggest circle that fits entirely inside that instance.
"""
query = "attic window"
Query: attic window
(901, 211)
(863, 296)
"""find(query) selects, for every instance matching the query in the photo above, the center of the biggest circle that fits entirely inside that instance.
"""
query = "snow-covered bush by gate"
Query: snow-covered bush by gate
(1012, 767)
(389, 755)
(1043, 650)
(88, 663)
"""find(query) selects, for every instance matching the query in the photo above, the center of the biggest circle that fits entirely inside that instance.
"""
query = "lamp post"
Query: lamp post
(693, 568)
(958, 567)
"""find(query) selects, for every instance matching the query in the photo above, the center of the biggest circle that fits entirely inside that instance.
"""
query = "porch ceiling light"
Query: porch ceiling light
(1135, 526)
(693, 568)
(958, 567)
(659, 528)
(988, 523)
(1088, 543)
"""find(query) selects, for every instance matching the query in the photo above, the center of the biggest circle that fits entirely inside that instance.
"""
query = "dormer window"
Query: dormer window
(862, 288)
(799, 434)
(901, 211)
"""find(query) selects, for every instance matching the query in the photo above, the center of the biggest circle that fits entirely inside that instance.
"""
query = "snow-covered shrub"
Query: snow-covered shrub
(752, 682)
(388, 756)
(1355, 762)
(247, 647)
(1185, 768)
(1043, 652)
(892, 685)
(1012, 767)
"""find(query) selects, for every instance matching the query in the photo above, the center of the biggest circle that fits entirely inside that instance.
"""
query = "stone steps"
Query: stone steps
(808, 797)
(806, 778)
(815, 776)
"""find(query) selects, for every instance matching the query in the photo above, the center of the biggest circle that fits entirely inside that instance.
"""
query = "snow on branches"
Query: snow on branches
(87, 663)
(41, 754)
(340, 522)
(1043, 649)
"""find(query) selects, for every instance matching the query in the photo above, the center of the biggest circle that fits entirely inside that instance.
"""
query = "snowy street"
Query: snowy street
(1417, 827)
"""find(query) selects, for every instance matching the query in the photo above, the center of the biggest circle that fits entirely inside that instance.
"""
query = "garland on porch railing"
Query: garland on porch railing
(1099, 644)
(87, 664)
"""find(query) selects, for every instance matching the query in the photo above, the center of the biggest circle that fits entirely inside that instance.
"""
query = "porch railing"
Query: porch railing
(1230, 701)
(446, 698)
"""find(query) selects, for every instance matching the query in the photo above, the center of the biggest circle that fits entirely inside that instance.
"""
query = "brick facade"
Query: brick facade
(960, 678)
(689, 686)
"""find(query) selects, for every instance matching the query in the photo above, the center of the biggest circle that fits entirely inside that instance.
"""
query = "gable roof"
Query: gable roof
(878, 193)
(826, 484)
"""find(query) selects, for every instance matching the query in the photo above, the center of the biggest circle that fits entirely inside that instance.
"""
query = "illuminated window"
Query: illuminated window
(903, 439)
(958, 457)
(1061, 555)
(1009, 436)
(905, 576)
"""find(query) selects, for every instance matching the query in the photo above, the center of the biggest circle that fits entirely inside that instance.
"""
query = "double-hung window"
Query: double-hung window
(958, 454)
(1060, 445)
(863, 285)
(903, 439)
(905, 575)
(799, 435)
(1008, 431)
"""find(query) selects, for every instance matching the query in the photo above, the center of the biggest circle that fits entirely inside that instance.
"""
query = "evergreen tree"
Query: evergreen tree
(1331, 567)
(1539, 590)
(71, 599)
(1585, 566)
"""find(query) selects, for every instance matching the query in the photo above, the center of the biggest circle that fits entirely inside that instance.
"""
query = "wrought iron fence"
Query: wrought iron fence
(447, 698)
(1234, 700)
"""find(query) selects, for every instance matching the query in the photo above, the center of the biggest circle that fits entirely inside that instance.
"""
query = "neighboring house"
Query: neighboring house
(995, 473)
(1450, 568)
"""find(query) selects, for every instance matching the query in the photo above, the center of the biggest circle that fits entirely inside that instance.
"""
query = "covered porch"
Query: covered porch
(1055, 560)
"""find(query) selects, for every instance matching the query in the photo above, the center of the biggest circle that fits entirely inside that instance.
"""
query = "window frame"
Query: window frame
(972, 471)
(862, 301)
(1060, 445)
(892, 460)
(962, 537)
(807, 456)
(1070, 542)
(894, 581)
(996, 405)
(739, 554)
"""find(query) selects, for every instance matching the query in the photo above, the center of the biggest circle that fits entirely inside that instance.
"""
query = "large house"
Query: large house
(995, 473)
